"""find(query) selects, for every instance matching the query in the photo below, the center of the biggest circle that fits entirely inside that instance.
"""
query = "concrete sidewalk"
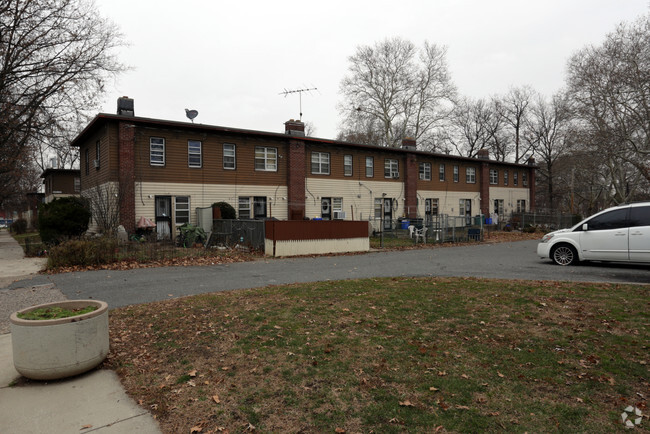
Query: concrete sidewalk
(92, 402)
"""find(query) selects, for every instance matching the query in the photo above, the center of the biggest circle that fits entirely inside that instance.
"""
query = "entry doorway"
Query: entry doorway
(163, 217)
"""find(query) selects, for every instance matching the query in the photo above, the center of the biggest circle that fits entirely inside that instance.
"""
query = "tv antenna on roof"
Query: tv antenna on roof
(299, 92)
(191, 114)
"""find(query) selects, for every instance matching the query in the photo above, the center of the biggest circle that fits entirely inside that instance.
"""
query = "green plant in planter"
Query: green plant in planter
(191, 234)
(55, 312)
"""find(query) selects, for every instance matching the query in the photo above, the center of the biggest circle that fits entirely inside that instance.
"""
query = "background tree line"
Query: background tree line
(590, 139)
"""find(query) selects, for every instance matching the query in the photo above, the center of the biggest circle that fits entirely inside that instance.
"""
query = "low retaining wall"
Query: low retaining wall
(297, 237)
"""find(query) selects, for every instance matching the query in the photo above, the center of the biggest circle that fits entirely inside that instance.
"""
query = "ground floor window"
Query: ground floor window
(244, 209)
(182, 209)
(521, 205)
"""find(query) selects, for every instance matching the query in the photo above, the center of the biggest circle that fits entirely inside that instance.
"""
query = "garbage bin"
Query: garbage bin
(405, 224)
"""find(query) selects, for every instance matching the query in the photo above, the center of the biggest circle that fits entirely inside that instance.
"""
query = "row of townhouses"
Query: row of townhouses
(163, 170)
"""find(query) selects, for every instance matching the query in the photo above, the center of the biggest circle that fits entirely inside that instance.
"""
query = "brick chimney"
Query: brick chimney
(125, 106)
(294, 128)
(483, 154)
(409, 143)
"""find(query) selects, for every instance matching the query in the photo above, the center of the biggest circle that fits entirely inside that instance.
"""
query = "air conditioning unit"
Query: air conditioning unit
(339, 215)
(96, 164)
(396, 175)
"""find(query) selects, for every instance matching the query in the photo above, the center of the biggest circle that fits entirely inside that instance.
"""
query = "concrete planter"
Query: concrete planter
(59, 348)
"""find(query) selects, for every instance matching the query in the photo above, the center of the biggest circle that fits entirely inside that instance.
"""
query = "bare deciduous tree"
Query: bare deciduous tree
(104, 202)
(55, 56)
(513, 109)
(396, 90)
(609, 86)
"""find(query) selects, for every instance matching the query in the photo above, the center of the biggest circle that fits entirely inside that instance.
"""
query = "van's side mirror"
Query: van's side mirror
(584, 227)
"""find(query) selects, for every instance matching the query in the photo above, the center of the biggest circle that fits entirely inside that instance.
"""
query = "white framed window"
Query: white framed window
(266, 159)
(461, 207)
(425, 171)
(391, 168)
(456, 173)
(494, 176)
(515, 178)
(524, 179)
(521, 205)
(441, 172)
(229, 156)
(337, 204)
(347, 165)
(98, 153)
(505, 177)
(470, 175)
(182, 209)
(156, 151)
(370, 167)
(320, 163)
(194, 153)
(378, 203)
(244, 208)
(77, 184)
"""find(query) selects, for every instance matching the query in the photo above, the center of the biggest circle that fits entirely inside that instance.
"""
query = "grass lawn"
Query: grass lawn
(390, 355)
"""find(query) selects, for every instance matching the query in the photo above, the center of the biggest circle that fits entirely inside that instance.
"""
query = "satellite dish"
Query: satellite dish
(191, 114)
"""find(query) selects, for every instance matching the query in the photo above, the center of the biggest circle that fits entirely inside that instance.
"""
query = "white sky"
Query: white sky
(230, 59)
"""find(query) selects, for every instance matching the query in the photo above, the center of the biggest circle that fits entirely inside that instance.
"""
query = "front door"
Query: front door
(388, 214)
(163, 217)
(326, 208)
(259, 207)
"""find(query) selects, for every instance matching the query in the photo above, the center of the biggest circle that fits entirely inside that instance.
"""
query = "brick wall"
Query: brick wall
(411, 174)
(485, 188)
(126, 177)
(296, 180)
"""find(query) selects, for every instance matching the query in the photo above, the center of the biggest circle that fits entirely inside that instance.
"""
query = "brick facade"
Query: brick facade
(296, 171)
(126, 177)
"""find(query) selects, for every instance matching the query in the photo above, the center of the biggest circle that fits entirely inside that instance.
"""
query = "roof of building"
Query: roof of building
(52, 171)
(102, 118)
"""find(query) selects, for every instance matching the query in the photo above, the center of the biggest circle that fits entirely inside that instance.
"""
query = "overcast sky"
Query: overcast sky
(230, 60)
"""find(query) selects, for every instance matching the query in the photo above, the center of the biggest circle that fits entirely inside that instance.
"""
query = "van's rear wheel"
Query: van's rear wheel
(564, 254)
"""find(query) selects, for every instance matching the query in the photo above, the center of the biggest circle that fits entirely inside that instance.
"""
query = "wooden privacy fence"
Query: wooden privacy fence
(308, 237)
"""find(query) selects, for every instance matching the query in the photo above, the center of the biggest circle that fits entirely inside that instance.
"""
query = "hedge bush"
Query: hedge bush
(62, 219)
(19, 226)
(227, 211)
(71, 253)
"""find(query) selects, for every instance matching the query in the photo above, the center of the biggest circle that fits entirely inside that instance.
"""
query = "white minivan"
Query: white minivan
(621, 233)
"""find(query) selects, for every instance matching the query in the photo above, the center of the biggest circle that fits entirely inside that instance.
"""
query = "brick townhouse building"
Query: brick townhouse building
(163, 170)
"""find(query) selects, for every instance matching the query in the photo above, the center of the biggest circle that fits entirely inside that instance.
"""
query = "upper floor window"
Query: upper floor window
(494, 176)
(425, 171)
(98, 147)
(194, 153)
(266, 159)
(441, 172)
(370, 167)
(347, 165)
(229, 161)
(320, 163)
(157, 151)
(515, 178)
(505, 177)
(456, 173)
(87, 160)
(391, 168)
(470, 175)
(524, 179)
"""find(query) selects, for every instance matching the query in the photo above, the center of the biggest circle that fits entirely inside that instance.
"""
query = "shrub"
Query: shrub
(227, 211)
(62, 219)
(19, 226)
(191, 234)
(83, 253)
(529, 229)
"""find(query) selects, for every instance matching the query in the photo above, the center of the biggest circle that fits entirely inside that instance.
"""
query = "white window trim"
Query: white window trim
(456, 175)
(319, 158)
(441, 172)
(370, 166)
(193, 153)
(391, 168)
(425, 171)
(470, 175)
(246, 200)
(347, 166)
(268, 153)
(234, 156)
(156, 152)
(177, 209)
(494, 177)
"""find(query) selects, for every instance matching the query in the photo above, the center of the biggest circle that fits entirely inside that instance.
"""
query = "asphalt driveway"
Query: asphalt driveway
(516, 260)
